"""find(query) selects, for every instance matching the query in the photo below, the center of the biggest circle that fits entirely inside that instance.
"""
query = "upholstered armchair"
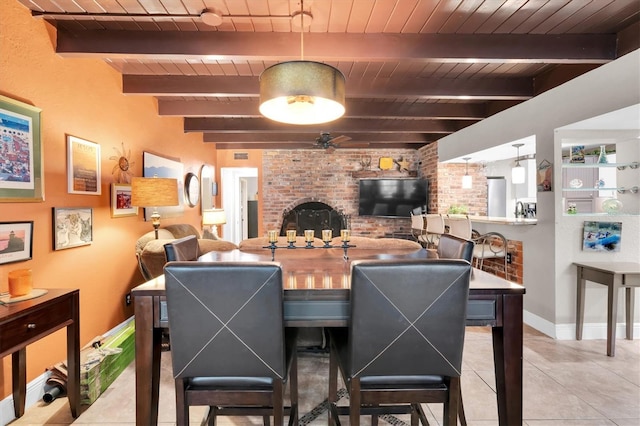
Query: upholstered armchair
(150, 252)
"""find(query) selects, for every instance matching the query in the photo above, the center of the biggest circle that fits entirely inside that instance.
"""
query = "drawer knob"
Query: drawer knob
(31, 326)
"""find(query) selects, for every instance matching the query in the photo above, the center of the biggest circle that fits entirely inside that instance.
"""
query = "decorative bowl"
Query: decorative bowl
(612, 205)
(575, 183)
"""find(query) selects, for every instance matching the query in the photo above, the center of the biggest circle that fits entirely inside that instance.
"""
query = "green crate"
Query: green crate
(96, 377)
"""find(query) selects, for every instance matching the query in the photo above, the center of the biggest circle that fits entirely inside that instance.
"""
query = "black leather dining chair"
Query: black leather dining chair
(230, 348)
(452, 247)
(403, 346)
(182, 249)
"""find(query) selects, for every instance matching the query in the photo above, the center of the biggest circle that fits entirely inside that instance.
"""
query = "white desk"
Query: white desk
(614, 275)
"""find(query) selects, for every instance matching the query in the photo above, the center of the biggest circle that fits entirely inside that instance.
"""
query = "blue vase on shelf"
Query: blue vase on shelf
(602, 158)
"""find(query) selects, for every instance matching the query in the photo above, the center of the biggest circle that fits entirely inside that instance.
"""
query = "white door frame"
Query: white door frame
(230, 178)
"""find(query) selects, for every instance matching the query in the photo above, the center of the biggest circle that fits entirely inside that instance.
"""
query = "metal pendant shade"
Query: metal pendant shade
(302, 92)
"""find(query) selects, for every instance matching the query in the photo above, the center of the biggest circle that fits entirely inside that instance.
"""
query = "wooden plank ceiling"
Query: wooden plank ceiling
(415, 70)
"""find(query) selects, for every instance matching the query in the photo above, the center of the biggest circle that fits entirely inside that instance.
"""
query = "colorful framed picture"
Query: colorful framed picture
(156, 165)
(83, 167)
(16, 241)
(121, 200)
(72, 227)
(21, 177)
(602, 236)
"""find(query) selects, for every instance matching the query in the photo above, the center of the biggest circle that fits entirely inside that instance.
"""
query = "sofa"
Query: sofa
(151, 255)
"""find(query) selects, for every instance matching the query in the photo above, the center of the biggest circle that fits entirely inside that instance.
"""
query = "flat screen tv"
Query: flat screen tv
(392, 197)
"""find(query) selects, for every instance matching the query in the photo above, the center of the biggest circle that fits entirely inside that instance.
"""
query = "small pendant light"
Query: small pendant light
(467, 180)
(518, 172)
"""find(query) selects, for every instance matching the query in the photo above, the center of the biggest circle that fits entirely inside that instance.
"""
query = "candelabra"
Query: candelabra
(309, 235)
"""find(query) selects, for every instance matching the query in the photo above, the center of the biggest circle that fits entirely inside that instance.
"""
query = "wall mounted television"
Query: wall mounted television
(392, 197)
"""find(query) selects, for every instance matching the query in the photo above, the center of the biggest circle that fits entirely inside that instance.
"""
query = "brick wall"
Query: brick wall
(445, 183)
(291, 177)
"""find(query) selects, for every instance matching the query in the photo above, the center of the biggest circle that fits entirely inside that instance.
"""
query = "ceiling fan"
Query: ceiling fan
(328, 142)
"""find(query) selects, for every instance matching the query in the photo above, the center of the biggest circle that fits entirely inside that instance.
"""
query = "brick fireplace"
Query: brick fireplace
(291, 177)
(313, 215)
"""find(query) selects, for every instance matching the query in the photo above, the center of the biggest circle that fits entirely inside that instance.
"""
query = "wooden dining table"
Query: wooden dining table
(316, 294)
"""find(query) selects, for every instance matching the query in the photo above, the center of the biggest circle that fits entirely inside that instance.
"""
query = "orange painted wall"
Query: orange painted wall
(83, 97)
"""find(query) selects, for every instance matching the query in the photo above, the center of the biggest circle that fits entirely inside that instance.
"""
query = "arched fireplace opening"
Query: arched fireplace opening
(313, 215)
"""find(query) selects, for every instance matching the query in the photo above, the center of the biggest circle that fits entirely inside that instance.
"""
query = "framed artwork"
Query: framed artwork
(21, 177)
(121, 200)
(16, 241)
(602, 236)
(72, 227)
(156, 165)
(544, 176)
(83, 166)
(577, 154)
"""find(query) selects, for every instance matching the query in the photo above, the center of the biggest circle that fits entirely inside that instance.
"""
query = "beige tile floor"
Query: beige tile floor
(565, 383)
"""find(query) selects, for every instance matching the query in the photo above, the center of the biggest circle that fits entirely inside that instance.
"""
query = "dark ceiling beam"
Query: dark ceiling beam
(310, 137)
(275, 46)
(354, 109)
(423, 88)
(559, 75)
(300, 145)
(343, 125)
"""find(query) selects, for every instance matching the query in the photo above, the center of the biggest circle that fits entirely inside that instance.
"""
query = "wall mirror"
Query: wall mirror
(207, 186)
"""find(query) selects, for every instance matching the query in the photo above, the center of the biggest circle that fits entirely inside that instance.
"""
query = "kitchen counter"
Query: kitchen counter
(495, 220)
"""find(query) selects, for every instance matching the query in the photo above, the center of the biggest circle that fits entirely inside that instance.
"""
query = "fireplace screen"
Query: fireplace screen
(313, 215)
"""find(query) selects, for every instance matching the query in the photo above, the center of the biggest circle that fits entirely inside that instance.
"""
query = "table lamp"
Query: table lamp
(213, 217)
(154, 192)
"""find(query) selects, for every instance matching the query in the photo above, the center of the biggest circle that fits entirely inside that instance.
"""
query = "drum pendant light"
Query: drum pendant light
(302, 92)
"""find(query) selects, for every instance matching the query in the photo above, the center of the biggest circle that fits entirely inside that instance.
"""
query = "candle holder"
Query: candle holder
(309, 235)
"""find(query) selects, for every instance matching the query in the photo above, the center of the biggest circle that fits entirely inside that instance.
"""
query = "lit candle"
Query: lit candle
(291, 236)
(308, 235)
(20, 283)
(273, 236)
(345, 235)
(326, 235)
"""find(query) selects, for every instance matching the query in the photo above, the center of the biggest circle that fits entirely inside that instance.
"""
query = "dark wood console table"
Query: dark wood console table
(316, 294)
(25, 322)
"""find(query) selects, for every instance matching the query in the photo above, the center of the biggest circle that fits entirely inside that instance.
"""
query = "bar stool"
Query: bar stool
(434, 228)
(491, 245)
(460, 226)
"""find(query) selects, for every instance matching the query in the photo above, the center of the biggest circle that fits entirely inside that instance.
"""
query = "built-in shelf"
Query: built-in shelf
(621, 190)
(620, 166)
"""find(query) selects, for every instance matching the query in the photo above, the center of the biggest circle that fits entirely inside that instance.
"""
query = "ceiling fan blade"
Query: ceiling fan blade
(355, 145)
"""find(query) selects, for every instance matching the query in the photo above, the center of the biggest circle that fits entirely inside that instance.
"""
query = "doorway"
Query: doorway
(239, 187)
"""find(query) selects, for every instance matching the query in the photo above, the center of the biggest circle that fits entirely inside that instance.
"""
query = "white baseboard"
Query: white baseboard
(590, 331)
(35, 391)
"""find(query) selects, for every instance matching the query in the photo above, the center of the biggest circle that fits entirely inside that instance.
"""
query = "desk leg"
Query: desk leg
(507, 354)
(580, 304)
(73, 358)
(148, 346)
(19, 380)
(612, 314)
(629, 307)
